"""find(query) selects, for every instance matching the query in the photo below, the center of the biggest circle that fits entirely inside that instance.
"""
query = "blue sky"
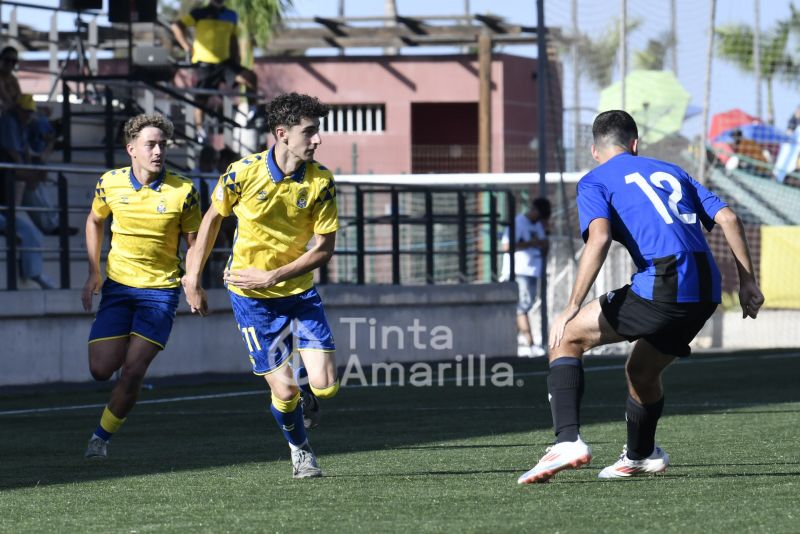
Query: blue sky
(730, 88)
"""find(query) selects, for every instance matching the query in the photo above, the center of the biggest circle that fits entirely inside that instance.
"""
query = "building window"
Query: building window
(355, 118)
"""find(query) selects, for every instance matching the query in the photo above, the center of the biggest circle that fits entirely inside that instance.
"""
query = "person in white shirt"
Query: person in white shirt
(530, 247)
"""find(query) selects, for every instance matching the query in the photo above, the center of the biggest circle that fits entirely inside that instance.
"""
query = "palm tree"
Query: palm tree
(735, 44)
(653, 57)
(598, 57)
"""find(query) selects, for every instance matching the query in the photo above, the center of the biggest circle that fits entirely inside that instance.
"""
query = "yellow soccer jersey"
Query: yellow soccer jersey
(212, 33)
(277, 216)
(146, 226)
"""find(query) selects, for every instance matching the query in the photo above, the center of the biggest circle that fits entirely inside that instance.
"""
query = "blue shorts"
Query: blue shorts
(144, 312)
(526, 286)
(269, 327)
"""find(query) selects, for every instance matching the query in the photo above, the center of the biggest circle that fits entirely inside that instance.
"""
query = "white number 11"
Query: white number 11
(675, 195)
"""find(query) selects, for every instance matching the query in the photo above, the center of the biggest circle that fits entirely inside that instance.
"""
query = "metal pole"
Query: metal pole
(576, 85)
(757, 55)
(360, 278)
(395, 236)
(541, 89)
(701, 166)
(462, 238)
(493, 235)
(673, 20)
(623, 49)
(429, 275)
(63, 233)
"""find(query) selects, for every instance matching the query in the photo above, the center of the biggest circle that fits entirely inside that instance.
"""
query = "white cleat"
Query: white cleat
(626, 468)
(564, 455)
(304, 463)
(97, 448)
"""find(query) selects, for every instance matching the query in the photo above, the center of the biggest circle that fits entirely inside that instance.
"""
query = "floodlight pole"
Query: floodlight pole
(541, 89)
(541, 113)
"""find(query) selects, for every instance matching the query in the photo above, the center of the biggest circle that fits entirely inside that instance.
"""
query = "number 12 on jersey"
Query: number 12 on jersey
(675, 194)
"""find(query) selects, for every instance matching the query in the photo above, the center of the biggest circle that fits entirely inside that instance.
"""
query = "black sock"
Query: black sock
(565, 385)
(642, 420)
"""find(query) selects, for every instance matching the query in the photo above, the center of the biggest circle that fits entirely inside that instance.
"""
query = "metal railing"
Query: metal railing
(490, 208)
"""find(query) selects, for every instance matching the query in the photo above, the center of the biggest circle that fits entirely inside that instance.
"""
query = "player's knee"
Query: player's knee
(640, 376)
(326, 392)
(99, 372)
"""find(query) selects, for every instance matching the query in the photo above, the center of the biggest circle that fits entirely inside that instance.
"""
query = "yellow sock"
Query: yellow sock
(326, 393)
(286, 406)
(110, 422)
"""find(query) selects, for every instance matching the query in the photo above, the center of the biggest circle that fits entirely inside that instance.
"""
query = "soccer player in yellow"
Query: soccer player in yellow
(152, 208)
(282, 199)
(215, 51)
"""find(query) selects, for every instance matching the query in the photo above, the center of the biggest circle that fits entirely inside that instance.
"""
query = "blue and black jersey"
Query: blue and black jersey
(655, 210)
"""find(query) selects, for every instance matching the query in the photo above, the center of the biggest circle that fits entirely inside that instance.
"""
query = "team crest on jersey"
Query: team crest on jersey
(302, 198)
(162, 206)
(123, 199)
(261, 195)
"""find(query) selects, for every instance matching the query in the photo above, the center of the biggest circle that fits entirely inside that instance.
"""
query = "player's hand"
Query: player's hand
(195, 295)
(250, 278)
(750, 298)
(91, 288)
(560, 324)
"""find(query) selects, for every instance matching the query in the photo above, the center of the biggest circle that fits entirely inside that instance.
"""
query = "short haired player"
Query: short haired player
(152, 207)
(282, 198)
(655, 209)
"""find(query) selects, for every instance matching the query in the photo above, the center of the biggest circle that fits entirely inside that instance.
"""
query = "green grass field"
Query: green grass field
(439, 459)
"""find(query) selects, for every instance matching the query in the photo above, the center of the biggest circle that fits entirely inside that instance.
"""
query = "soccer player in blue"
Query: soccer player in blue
(152, 208)
(282, 199)
(656, 211)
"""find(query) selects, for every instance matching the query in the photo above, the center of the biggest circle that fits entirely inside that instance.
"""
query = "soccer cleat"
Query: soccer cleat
(564, 455)
(626, 468)
(97, 448)
(304, 463)
(311, 412)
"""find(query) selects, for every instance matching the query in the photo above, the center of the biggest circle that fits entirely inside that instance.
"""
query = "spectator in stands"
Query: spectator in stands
(215, 51)
(40, 137)
(9, 85)
(794, 122)
(13, 149)
(530, 248)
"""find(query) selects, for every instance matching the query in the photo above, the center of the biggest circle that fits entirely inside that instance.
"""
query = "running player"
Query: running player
(282, 199)
(152, 208)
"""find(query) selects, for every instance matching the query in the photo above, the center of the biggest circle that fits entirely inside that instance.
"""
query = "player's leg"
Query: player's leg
(150, 314)
(317, 375)
(108, 345)
(265, 329)
(642, 411)
(565, 385)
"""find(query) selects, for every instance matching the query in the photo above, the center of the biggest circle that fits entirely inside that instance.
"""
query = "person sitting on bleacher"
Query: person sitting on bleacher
(13, 149)
(9, 85)
(215, 50)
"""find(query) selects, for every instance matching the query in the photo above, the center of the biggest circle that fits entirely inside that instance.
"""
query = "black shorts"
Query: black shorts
(668, 326)
(210, 75)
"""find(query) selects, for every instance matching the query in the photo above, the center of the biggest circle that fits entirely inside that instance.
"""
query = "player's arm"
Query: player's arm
(196, 257)
(750, 296)
(317, 256)
(179, 31)
(594, 254)
(95, 228)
